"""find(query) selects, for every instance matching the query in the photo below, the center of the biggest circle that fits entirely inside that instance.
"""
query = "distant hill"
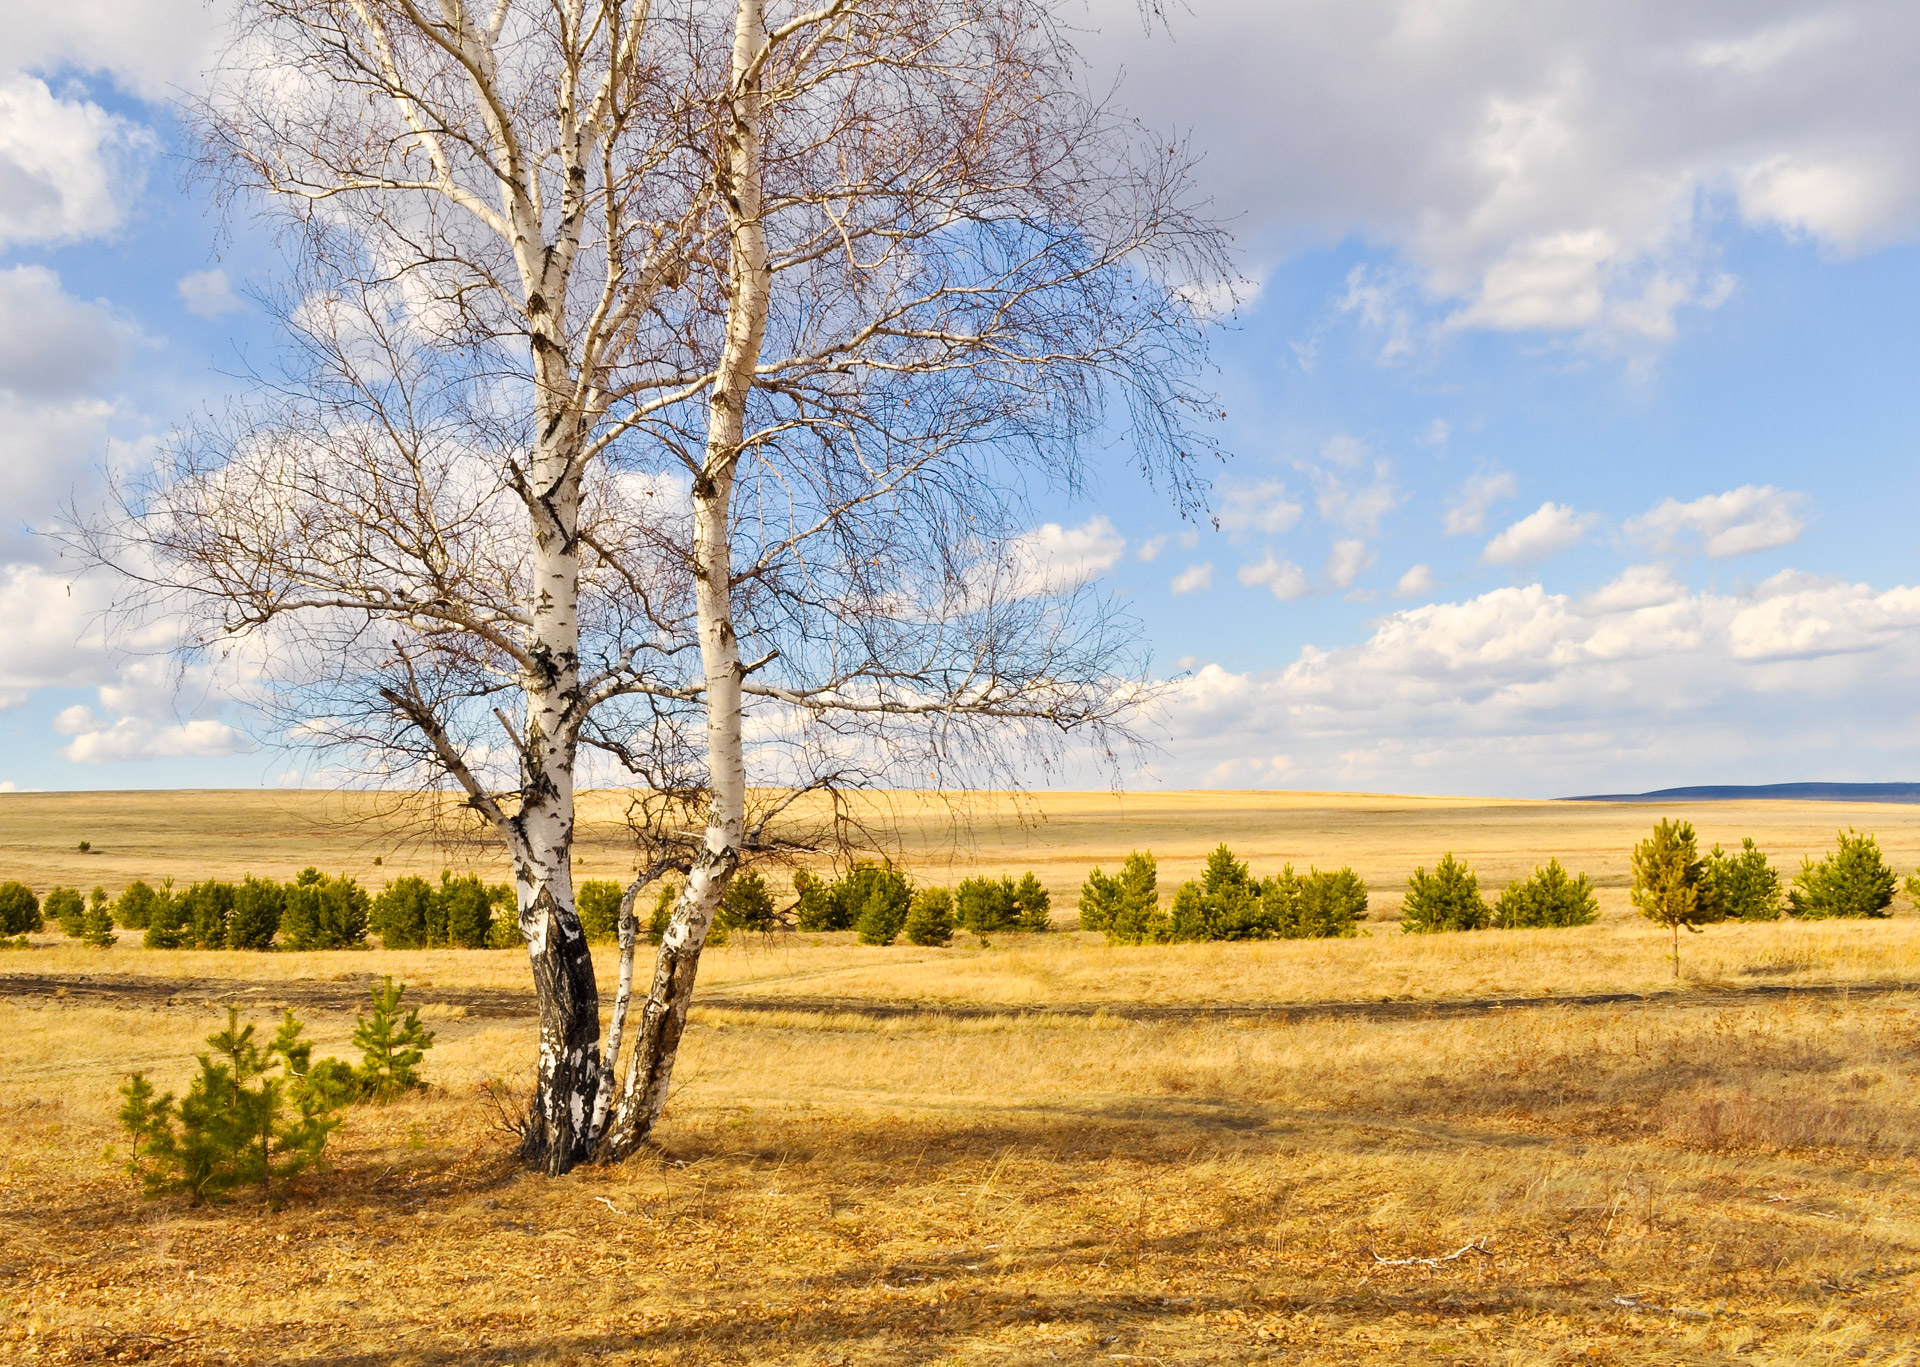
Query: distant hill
(1769, 792)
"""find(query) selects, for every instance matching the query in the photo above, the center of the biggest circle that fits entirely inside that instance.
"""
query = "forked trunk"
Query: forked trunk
(657, 1040)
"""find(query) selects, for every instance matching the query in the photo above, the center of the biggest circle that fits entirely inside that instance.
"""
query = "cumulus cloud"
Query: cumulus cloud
(1642, 683)
(1346, 561)
(95, 741)
(50, 625)
(1261, 506)
(53, 345)
(68, 169)
(59, 358)
(1149, 550)
(1740, 521)
(1353, 490)
(209, 294)
(1541, 168)
(1548, 530)
(152, 48)
(1194, 579)
(1053, 558)
(1467, 511)
(1415, 582)
(1284, 579)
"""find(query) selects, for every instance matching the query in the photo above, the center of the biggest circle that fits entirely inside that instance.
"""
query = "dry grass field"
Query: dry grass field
(1716, 1173)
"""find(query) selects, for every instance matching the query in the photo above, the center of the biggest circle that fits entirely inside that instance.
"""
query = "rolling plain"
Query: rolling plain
(1498, 1147)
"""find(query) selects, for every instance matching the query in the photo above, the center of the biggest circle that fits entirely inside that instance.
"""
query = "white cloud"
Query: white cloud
(1346, 561)
(1639, 586)
(51, 628)
(152, 48)
(1542, 168)
(1467, 511)
(1415, 582)
(1740, 521)
(1053, 558)
(138, 738)
(1284, 579)
(1375, 298)
(1194, 579)
(1150, 549)
(1642, 684)
(1353, 490)
(1548, 530)
(68, 169)
(1262, 506)
(1846, 199)
(209, 294)
(51, 344)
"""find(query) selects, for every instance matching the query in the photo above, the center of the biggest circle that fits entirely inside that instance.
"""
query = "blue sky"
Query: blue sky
(1572, 396)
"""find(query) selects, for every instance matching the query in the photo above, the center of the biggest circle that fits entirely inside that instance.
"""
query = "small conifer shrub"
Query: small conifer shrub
(598, 902)
(133, 909)
(240, 1122)
(502, 912)
(204, 909)
(403, 915)
(392, 1045)
(258, 904)
(748, 903)
(1746, 886)
(1123, 900)
(325, 912)
(1447, 899)
(813, 909)
(930, 920)
(984, 905)
(877, 894)
(663, 904)
(166, 918)
(1319, 905)
(1127, 905)
(1549, 898)
(19, 910)
(64, 907)
(1670, 883)
(1222, 904)
(463, 912)
(97, 927)
(1853, 881)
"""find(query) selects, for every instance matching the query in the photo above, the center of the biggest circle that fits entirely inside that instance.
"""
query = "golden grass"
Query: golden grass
(1699, 1178)
(1022, 1191)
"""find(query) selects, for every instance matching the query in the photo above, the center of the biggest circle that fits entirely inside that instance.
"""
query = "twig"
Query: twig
(1477, 1246)
(1632, 1303)
(609, 1205)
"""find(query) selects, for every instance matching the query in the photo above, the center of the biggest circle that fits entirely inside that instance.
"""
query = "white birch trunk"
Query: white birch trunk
(657, 1040)
(560, 1129)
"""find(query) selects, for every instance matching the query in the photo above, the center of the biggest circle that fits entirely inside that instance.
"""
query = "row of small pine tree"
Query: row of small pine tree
(1228, 903)
(878, 902)
(1225, 903)
(1674, 886)
(313, 911)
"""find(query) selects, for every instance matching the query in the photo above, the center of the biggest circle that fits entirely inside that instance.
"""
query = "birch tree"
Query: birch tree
(665, 389)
